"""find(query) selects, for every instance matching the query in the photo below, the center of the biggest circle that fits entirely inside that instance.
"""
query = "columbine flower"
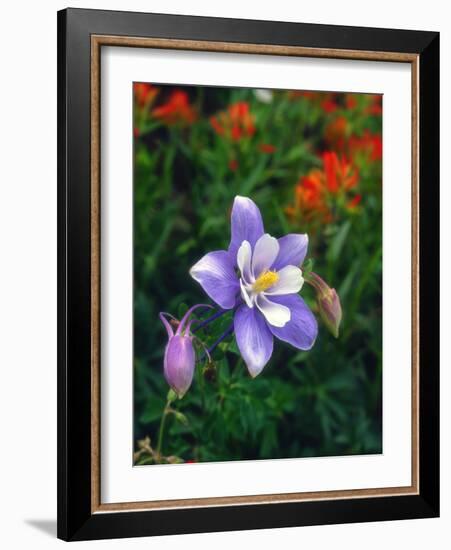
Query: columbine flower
(179, 355)
(260, 277)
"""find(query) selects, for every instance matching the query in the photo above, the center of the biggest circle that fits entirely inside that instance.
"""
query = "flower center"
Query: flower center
(265, 280)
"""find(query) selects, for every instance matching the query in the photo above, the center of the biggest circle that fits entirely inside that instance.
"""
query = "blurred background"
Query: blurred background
(312, 162)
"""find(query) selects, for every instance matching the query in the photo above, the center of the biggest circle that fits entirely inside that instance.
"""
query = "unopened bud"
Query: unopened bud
(328, 301)
(179, 360)
(179, 355)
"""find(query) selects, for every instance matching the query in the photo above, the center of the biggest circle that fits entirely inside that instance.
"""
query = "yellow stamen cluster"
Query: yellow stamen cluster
(265, 280)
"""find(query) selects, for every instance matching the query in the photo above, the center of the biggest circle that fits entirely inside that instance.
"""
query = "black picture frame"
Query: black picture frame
(76, 520)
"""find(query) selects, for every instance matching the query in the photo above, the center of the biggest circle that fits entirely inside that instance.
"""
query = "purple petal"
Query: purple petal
(215, 272)
(302, 329)
(246, 224)
(293, 248)
(181, 328)
(253, 338)
(166, 323)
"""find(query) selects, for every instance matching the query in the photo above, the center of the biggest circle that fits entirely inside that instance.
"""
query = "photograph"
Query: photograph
(257, 273)
(248, 272)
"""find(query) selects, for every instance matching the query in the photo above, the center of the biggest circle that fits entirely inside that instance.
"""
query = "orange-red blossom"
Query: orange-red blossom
(313, 192)
(144, 93)
(340, 174)
(368, 145)
(267, 148)
(309, 199)
(177, 109)
(234, 123)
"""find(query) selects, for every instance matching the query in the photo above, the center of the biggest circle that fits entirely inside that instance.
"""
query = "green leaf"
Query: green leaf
(337, 243)
(185, 246)
(182, 309)
(269, 440)
(153, 411)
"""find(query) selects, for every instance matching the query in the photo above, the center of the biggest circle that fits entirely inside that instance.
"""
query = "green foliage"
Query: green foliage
(318, 403)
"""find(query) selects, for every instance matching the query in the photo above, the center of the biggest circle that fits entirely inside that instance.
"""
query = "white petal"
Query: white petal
(277, 315)
(245, 294)
(243, 259)
(265, 252)
(290, 281)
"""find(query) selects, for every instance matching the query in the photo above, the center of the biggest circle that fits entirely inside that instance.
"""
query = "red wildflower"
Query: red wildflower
(310, 189)
(368, 144)
(336, 132)
(233, 165)
(144, 93)
(235, 123)
(216, 126)
(329, 105)
(351, 101)
(319, 189)
(293, 94)
(330, 162)
(309, 199)
(177, 110)
(236, 133)
(376, 153)
(267, 148)
(340, 174)
(375, 107)
(354, 202)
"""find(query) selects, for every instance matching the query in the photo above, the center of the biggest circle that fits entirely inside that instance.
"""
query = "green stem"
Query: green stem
(166, 409)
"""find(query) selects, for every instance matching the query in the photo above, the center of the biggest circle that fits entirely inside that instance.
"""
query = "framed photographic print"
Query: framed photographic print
(248, 274)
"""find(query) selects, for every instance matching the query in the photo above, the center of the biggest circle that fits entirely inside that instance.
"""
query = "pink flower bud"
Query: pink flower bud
(179, 355)
(179, 361)
(328, 301)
